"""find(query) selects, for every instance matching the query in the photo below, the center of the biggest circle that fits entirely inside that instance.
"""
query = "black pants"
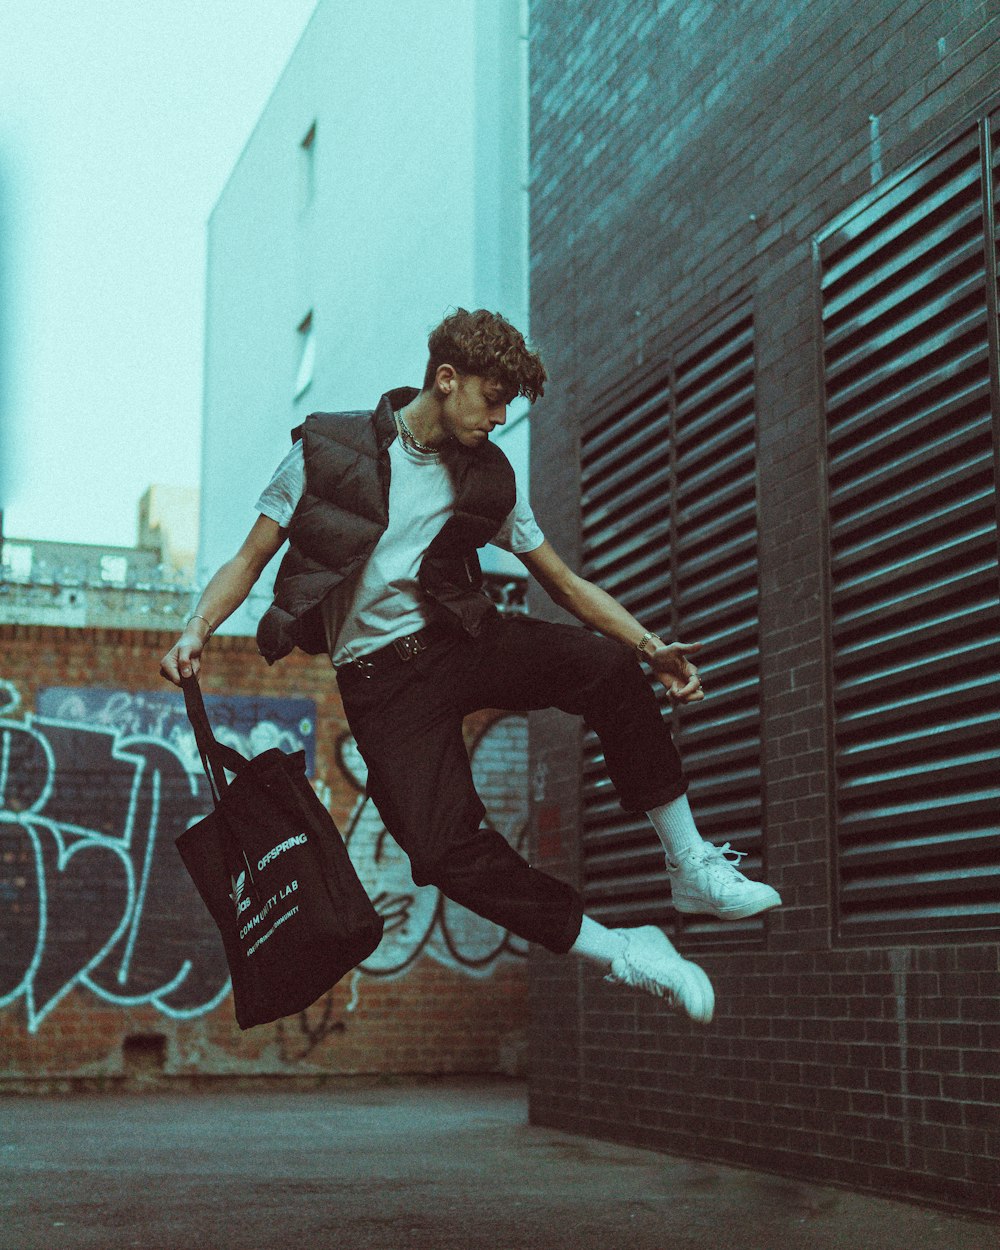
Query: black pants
(407, 722)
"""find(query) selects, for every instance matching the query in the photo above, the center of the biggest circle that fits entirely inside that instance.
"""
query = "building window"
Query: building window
(17, 561)
(114, 569)
(307, 355)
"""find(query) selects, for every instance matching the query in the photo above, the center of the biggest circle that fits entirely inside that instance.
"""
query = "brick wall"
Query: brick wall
(109, 965)
(683, 156)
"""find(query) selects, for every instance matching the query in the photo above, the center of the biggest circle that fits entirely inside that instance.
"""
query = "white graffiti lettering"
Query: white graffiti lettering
(88, 815)
(95, 892)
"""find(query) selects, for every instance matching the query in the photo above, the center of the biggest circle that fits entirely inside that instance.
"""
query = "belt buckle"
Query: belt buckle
(409, 646)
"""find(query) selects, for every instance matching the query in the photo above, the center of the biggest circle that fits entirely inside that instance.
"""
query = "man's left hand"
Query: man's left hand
(678, 675)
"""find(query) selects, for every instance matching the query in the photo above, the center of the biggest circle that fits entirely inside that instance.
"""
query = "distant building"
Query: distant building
(384, 183)
(148, 586)
(168, 521)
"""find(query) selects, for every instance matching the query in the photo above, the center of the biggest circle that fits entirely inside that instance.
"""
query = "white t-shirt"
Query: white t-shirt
(381, 600)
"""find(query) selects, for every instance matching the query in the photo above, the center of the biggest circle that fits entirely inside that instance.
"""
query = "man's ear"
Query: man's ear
(446, 378)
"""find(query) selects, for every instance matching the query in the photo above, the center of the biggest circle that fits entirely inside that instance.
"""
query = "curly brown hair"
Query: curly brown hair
(486, 345)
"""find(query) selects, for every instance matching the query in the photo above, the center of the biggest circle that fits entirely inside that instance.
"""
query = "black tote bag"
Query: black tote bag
(274, 872)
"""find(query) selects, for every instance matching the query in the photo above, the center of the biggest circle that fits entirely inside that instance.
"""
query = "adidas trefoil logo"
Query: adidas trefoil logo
(238, 884)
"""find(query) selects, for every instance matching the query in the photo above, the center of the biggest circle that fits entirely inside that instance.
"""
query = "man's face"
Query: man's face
(473, 408)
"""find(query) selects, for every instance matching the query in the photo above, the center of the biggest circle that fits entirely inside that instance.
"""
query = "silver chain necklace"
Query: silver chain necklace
(409, 435)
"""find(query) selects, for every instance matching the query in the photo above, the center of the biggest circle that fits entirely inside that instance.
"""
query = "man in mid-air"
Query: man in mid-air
(384, 512)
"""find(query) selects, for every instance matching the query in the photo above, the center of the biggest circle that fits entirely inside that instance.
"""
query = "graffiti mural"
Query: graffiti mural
(94, 788)
(249, 723)
(96, 785)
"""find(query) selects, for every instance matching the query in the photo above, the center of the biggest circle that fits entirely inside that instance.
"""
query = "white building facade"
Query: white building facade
(384, 184)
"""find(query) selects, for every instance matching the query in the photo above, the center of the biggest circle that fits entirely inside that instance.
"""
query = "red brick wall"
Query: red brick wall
(416, 1006)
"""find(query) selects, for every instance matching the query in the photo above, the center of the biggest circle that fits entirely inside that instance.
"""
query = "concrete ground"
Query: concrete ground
(449, 1165)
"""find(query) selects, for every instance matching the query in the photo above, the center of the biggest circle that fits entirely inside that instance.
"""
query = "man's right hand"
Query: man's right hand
(184, 657)
(228, 588)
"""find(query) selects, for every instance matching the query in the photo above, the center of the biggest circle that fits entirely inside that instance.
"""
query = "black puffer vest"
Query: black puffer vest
(344, 511)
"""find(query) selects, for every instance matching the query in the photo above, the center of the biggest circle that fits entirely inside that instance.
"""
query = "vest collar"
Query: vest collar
(382, 419)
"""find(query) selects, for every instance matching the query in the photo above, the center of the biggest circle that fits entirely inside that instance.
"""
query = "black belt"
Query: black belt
(399, 651)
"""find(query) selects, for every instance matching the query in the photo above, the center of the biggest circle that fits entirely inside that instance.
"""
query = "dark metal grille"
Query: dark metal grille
(913, 553)
(669, 528)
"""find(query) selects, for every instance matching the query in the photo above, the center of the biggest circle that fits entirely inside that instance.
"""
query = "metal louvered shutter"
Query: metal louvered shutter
(669, 528)
(914, 591)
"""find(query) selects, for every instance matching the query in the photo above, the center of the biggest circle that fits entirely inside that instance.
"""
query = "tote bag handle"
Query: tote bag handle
(215, 755)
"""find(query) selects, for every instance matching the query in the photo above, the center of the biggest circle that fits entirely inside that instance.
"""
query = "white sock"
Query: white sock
(675, 826)
(597, 943)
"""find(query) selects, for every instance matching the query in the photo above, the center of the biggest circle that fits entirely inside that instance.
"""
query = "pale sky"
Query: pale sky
(120, 122)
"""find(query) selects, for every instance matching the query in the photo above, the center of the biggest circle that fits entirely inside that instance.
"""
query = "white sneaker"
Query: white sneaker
(650, 962)
(704, 880)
